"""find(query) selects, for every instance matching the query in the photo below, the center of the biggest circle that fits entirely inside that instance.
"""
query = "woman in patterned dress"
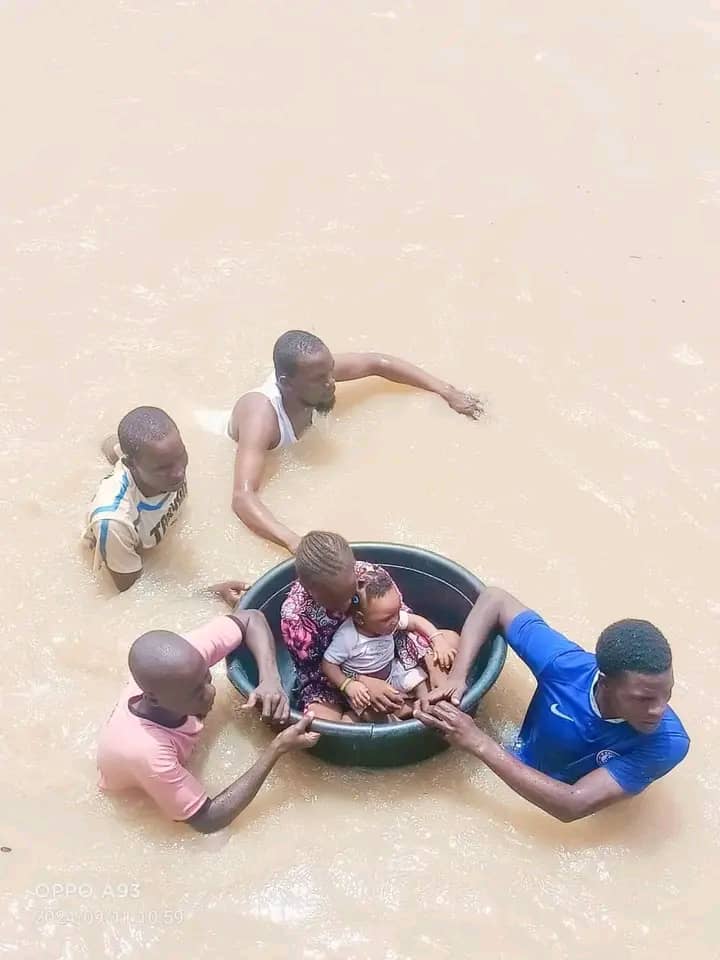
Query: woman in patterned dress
(319, 600)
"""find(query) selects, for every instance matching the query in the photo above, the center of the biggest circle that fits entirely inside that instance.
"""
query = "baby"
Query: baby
(364, 646)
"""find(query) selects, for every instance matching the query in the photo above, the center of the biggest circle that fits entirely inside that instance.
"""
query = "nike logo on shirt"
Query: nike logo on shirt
(555, 708)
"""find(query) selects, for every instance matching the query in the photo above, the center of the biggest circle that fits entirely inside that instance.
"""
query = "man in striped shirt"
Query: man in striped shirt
(138, 502)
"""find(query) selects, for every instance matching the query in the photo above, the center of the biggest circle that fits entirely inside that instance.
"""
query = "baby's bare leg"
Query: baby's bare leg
(436, 675)
(367, 716)
(404, 712)
(325, 711)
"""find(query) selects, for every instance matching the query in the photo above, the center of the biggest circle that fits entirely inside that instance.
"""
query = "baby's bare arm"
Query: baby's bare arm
(333, 672)
(418, 624)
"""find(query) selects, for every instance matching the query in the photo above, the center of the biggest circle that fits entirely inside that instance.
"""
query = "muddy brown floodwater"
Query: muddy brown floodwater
(524, 198)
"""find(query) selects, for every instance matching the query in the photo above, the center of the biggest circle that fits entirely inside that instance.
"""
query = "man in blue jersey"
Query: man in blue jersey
(598, 728)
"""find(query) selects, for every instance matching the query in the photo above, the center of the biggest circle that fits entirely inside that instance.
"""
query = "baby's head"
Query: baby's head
(378, 611)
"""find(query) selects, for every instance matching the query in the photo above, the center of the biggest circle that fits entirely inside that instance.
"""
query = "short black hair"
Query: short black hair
(635, 645)
(290, 347)
(143, 425)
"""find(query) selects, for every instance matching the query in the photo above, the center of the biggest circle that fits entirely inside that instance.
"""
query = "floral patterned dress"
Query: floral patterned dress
(307, 630)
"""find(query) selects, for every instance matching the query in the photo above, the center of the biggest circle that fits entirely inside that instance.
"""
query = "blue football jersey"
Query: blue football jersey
(563, 733)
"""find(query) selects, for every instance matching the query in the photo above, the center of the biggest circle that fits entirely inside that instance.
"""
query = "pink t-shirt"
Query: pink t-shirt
(133, 752)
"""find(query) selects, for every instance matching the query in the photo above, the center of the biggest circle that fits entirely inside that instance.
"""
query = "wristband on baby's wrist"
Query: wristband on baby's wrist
(346, 683)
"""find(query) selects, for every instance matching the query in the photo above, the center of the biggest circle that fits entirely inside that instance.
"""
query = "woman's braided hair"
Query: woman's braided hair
(321, 556)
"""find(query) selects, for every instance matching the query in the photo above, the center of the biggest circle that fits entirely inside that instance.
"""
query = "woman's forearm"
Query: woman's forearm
(261, 644)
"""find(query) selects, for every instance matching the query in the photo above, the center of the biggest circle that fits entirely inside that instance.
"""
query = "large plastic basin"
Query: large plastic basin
(433, 586)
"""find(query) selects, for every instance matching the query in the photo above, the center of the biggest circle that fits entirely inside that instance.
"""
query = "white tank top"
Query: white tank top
(219, 421)
(271, 390)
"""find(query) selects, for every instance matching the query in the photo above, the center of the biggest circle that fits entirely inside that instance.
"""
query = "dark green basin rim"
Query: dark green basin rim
(256, 596)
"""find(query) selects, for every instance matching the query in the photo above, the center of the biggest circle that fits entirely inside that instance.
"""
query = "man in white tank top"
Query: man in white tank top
(134, 506)
(282, 409)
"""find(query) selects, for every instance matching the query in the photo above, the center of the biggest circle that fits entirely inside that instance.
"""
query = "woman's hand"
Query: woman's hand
(383, 697)
(444, 651)
(358, 695)
(272, 701)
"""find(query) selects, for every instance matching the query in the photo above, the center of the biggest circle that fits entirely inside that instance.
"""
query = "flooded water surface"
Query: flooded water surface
(523, 198)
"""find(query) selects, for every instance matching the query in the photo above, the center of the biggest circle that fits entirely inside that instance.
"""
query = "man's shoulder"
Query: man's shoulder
(152, 749)
(529, 634)
(653, 755)
(216, 639)
(116, 496)
(254, 421)
(142, 744)
(252, 401)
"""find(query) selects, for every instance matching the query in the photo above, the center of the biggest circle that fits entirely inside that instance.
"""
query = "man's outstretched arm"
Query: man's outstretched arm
(221, 810)
(254, 440)
(564, 801)
(493, 612)
(356, 366)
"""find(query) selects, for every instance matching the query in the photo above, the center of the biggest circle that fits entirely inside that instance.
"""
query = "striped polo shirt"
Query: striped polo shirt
(121, 522)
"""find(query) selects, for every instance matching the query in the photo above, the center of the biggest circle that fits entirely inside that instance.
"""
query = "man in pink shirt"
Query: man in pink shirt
(155, 725)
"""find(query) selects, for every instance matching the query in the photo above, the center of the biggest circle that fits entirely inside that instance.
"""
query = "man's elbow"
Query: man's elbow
(371, 365)
(378, 364)
(574, 809)
(257, 619)
(108, 449)
(241, 502)
(494, 595)
(504, 605)
(496, 598)
(204, 826)
(568, 816)
(123, 581)
(205, 821)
